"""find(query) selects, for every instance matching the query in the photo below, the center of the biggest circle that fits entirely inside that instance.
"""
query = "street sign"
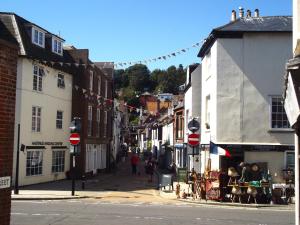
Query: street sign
(193, 139)
(74, 139)
(193, 125)
(4, 182)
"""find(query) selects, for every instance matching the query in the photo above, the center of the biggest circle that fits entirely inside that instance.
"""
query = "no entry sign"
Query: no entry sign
(74, 139)
(193, 139)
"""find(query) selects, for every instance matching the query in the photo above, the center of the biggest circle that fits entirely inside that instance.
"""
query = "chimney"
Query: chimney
(248, 13)
(256, 13)
(241, 12)
(233, 15)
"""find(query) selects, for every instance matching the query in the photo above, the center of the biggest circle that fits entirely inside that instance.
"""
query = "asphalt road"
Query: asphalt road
(97, 212)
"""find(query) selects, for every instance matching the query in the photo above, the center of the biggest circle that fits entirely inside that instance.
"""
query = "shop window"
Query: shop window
(34, 163)
(58, 161)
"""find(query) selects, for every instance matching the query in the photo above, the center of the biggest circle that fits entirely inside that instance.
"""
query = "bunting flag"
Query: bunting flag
(83, 90)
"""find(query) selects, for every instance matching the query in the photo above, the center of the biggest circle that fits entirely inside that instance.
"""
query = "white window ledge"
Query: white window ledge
(281, 130)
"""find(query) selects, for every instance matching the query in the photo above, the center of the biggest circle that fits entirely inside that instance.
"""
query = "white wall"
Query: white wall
(50, 100)
(249, 70)
(209, 88)
(296, 22)
(196, 92)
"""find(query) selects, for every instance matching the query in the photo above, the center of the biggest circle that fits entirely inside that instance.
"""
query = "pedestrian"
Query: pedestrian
(134, 163)
(150, 169)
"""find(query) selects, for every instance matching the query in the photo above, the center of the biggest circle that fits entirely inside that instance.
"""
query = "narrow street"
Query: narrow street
(91, 212)
(123, 198)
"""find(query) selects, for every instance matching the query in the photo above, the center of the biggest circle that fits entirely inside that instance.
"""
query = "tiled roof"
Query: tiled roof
(247, 24)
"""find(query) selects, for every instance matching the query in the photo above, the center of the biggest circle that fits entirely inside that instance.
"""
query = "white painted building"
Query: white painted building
(242, 67)
(43, 103)
(192, 107)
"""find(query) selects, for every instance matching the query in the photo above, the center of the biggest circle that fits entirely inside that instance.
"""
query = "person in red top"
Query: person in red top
(134, 163)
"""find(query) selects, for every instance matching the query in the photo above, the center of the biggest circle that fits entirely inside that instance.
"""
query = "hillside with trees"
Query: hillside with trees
(135, 80)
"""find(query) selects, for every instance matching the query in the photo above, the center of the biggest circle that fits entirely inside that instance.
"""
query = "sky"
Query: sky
(136, 30)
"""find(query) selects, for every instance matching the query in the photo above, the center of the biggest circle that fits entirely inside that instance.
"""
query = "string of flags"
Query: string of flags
(164, 57)
(116, 65)
(107, 103)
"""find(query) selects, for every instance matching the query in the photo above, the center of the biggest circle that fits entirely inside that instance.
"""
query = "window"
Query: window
(105, 124)
(179, 125)
(38, 73)
(98, 123)
(36, 119)
(57, 46)
(60, 81)
(278, 115)
(34, 163)
(207, 112)
(38, 37)
(290, 160)
(99, 85)
(58, 161)
(106, 88)
(90, 120)
(59, 120)
(91, 80)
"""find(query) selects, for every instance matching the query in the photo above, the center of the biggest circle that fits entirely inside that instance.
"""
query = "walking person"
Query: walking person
(150, 169)
(134, 163)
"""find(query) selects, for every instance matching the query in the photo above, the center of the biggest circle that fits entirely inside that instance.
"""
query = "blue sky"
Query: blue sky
(135, 30)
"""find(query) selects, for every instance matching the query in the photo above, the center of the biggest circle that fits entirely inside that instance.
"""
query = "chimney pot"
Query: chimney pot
(248, 13)
(233, 15)
(256, 13)
(241, 12)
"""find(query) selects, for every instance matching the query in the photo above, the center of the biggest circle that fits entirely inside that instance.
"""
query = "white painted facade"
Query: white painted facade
(192, 108)
(167, 133)
(239, 76)
(95, 157)
(50, 100)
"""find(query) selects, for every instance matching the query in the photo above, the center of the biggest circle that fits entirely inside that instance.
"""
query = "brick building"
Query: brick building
(92, 102)
(8, 76)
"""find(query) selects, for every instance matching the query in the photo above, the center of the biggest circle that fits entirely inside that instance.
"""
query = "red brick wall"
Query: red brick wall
(8, 76)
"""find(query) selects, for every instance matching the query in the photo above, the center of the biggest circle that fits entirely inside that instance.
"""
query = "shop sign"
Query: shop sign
(4, 182)
(46, 143)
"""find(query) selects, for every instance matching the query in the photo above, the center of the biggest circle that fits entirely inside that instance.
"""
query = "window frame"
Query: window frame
(59, 119)
(282, 113)
(36, 120)
(91, 80)
(99, 85)
(40, 39)
(57, 46)
(98, 122)
(37, 79)
(61, 80)
(105, 123)
(285, 159)
(60, 157)
(38, 170)
(90, 121)
(106, 88)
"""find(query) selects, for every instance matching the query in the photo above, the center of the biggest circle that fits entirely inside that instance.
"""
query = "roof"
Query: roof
(31, 50)
(6, 35)
(243, 25)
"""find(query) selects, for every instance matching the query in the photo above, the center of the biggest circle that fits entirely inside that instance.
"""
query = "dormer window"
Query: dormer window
(38, 37)
(57, 46)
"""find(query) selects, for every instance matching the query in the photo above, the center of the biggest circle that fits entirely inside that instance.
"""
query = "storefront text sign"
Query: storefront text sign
(4, 182)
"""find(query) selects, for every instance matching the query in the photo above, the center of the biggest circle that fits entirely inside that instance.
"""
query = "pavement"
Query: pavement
(120, 186)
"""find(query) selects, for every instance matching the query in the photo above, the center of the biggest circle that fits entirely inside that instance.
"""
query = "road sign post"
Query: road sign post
(193, 139)
(74, 140)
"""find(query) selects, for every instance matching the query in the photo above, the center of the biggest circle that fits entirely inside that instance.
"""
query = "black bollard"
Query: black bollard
(83, 182)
